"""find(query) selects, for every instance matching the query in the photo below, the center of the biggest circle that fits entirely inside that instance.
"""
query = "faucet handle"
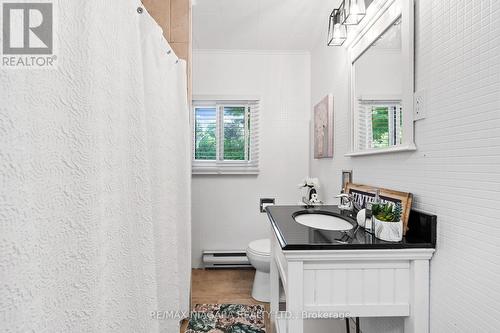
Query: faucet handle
(348, 203)
(347, 196)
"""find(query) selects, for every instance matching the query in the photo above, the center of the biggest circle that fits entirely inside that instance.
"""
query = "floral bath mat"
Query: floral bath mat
(227, 318)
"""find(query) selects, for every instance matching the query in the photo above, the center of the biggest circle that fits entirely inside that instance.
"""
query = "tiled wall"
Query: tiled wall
(456, 171)
(174, 16)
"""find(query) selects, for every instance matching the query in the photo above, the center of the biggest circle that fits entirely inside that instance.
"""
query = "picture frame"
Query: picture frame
(323, 128)
(364, 194)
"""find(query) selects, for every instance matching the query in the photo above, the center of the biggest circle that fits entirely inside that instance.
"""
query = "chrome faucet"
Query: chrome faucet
(369, 225)
(346, 201)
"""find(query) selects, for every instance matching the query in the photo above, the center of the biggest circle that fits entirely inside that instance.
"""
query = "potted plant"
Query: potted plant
(387, 221)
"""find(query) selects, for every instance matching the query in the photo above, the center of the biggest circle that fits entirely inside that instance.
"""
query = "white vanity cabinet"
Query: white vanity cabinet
(354, 283)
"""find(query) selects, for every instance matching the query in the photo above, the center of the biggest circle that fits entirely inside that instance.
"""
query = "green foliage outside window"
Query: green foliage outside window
(380, 127)
(205, 133)
(233, 133)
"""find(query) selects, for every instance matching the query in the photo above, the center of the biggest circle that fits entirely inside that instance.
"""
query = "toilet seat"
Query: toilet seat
(260, 247)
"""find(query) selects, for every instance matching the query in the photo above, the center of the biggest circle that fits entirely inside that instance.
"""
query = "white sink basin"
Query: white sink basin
(323, 221)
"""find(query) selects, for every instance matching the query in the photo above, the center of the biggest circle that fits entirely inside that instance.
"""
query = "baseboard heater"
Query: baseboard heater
(225, 259)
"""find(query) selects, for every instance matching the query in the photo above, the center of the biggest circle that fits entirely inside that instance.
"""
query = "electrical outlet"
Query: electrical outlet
(419, 104)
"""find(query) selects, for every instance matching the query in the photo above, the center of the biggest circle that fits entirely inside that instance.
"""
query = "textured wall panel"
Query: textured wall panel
(455, 173)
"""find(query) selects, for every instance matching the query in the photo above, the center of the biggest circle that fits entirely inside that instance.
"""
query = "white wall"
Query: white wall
(456, 171)
(226, 208)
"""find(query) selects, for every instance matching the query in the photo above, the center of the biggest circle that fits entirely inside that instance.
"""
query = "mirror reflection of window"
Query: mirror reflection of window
(380, 125)
(378, 92)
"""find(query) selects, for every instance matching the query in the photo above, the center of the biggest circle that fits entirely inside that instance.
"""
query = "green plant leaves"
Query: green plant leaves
(387, 212)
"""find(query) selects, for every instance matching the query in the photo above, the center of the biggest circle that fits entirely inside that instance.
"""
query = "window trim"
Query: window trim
(219, 166)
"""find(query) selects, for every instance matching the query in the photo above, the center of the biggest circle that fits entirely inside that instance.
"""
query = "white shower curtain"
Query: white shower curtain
(95, 179)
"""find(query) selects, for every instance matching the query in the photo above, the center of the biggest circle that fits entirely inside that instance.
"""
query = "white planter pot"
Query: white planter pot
(388, 231)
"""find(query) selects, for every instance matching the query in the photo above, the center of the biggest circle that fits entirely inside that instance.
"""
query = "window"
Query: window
(380, 125)
(225, 137)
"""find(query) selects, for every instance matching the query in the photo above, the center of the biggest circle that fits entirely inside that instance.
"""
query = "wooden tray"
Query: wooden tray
(364, 194)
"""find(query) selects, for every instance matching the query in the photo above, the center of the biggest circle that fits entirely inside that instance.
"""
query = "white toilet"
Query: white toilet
(259, 254)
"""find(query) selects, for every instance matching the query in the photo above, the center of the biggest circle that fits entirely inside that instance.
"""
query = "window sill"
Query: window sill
(226, 170)
(397, 149)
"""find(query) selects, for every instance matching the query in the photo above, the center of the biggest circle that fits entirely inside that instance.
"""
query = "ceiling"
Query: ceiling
(260, 24)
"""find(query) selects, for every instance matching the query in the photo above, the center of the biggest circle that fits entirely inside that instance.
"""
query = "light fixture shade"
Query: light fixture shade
(352, 11)
(337, 32)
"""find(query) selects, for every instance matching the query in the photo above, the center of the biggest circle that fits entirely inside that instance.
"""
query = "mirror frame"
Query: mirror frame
(379, 17)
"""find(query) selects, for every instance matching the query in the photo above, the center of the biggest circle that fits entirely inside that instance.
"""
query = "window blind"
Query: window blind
(226, 137)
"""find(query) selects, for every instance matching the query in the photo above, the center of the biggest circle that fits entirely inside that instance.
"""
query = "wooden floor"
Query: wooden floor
(223, 286)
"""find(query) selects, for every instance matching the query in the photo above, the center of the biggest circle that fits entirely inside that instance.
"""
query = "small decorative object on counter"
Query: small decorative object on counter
(386, 219)
(365, 196)
(314, 197)
(309, 182)
(311, 198)
(361, 218)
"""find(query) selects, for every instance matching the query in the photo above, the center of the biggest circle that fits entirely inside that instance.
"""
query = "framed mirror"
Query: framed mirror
(382, 70)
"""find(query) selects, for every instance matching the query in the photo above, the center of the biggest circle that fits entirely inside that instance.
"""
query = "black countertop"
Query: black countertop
(294, 236)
